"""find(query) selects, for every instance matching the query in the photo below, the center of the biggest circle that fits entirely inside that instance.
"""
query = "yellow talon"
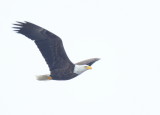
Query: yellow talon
(49, 78)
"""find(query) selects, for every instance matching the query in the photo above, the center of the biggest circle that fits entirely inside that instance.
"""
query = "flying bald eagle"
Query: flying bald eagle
(51, 47)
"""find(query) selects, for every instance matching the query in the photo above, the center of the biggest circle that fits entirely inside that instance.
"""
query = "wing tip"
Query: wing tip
(88, 61)
(18, 26)
(98, 59)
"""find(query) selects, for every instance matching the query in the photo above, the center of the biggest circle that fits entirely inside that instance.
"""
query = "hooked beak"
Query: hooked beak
(88, 67)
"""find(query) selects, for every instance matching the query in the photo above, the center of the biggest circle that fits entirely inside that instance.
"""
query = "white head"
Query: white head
(78, 69)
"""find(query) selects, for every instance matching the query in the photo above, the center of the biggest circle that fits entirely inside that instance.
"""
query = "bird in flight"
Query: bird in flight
(51, 48)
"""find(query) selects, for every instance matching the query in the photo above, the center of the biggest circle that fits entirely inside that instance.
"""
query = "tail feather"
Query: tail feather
(43, 77)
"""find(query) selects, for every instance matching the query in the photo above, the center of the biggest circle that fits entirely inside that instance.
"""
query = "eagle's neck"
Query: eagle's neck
(78, 69)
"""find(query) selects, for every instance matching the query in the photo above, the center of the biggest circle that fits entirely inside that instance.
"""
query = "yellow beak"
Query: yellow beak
(88, 67)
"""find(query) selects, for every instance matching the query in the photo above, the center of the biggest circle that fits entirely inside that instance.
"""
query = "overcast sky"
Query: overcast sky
(125, 34)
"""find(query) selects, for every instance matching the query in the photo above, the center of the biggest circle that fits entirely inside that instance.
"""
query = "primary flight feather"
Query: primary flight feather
(51, 47)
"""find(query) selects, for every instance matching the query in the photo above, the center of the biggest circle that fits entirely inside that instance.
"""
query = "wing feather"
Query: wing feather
(49, 44)
(88, 61)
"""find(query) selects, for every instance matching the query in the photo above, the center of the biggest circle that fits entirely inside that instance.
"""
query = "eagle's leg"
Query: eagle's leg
(49, 78)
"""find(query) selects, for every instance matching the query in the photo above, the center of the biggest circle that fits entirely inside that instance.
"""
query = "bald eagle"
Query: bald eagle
(51, 48)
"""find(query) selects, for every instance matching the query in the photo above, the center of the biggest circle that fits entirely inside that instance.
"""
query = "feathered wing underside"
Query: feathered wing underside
(88, 61)
(49, 44)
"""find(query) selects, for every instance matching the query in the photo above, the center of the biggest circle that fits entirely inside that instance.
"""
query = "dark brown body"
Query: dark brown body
(63, 73)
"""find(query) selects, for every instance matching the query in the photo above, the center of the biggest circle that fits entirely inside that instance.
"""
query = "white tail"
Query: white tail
(43, 77)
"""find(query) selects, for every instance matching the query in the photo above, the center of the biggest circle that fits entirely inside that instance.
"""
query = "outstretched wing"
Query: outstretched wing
(49, 44)
(88, 61)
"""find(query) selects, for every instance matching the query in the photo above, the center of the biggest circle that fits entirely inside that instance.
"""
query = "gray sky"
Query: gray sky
(124, 34)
